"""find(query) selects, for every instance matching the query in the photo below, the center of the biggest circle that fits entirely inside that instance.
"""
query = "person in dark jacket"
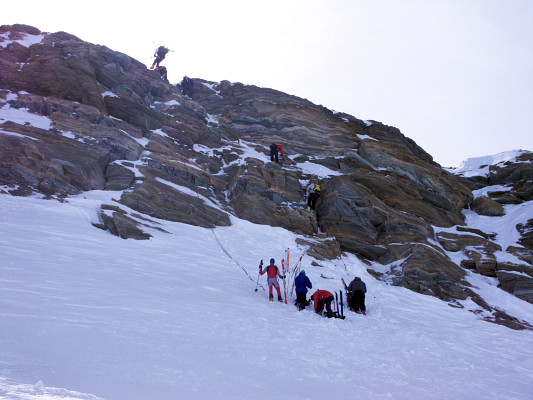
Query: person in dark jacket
(274, 152)
(358, 289)
(159, 55)
(321, 298)
(272, 272)
(301, 283)
(187, 86)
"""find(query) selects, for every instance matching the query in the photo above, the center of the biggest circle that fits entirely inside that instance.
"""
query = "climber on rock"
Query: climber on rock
(187, 87)
(280, 151)
(274, 152)
(163, 72)
(159, 55)
(313, 193)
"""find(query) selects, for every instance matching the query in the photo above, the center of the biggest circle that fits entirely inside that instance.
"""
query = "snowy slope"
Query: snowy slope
(479, 166)
(83, 311)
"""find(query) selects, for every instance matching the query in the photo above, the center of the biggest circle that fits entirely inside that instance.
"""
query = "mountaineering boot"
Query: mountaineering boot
(308, 209)
(271, 297)
(280, 298)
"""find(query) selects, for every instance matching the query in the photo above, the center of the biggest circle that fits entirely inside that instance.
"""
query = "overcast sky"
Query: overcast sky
(454, 75)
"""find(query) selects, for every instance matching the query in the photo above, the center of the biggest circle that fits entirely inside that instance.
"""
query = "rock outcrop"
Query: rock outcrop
(77, 117)
(511, 182)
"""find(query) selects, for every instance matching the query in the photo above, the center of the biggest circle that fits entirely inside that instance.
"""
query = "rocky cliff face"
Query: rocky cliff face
(77, 116)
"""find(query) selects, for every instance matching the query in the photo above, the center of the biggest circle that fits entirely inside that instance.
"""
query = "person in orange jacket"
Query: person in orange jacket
(272, 272)
(321, 298)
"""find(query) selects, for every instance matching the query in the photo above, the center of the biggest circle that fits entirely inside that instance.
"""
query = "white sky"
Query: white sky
(454, 75)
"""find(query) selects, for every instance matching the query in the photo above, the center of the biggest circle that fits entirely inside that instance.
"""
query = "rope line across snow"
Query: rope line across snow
(226, 252)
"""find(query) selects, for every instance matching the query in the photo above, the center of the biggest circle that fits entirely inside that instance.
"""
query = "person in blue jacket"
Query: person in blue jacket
(302, 282)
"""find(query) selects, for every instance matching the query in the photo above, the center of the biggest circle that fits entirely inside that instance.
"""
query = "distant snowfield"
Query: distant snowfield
(479, 166)
(87, 315)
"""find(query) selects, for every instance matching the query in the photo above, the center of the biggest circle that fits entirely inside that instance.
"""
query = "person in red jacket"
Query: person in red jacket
(163, 72)
(280, 150)
(272, 272)
(321, 298)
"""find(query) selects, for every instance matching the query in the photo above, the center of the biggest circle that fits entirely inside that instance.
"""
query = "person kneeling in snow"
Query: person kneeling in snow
(272, 272)
(321, 298)
(302, 282)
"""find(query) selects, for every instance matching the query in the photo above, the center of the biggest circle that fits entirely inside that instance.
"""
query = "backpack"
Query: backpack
(272, 271)
(161, 51)
(317, 188)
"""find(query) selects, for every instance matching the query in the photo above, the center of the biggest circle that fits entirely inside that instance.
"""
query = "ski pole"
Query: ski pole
(258, 274)
(342, 306)
(295, 271)
(284, 283)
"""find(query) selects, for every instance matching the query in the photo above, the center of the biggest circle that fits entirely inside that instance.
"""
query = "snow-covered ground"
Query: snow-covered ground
(87, 315)
(479, 166)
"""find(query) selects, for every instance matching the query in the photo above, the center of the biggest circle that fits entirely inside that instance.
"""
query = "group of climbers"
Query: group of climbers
(276, 149)
(187, 84)
(160, 55)
(276, 152)
(321, 298)
(312, 190)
